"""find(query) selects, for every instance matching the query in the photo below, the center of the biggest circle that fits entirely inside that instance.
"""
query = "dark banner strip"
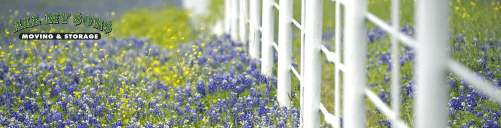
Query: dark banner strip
(59, 36)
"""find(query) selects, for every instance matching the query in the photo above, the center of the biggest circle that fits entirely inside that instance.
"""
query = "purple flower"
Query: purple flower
(452, 84)
(201, 87)
(211, 85)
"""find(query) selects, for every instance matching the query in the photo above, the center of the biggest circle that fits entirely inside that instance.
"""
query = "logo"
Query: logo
(62, 18)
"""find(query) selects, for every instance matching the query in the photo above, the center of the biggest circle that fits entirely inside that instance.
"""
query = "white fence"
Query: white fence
(432, 67)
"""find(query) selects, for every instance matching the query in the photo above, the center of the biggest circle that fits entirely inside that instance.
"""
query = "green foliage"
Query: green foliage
(168, 26)
(215, 12)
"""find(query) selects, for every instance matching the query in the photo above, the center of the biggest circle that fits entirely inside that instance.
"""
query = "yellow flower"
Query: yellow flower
(7, 32)
(201, 28)
(42, 85)
(496, 8)
(472, 3)
(77, 94)
(112, 13)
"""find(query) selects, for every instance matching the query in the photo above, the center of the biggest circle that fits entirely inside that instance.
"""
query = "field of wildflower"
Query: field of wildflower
(150, 72)
(156, 70)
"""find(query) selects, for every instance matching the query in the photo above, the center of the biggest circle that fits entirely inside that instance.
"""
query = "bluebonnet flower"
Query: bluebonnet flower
(491, 124)
(201, 87)
(475, 42)
(457, 48)
(211, 86)
(148, 125)
(485, 47)
(409, 89)
(218, 77)
(328, 35)
(452, 84)
(371, 36)
(117, 124)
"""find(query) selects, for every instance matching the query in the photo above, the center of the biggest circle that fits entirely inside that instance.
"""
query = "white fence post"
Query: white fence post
(432, 59)
(337, 77)
(395, 61)
(227, 16)
(244, 13)
(301, 89)
(268, 29)
(255, 14)
(234, 19)
(284, 52)
(313, 63)
(354, 58)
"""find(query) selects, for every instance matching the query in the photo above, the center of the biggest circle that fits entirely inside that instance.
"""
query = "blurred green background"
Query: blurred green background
(163, 22)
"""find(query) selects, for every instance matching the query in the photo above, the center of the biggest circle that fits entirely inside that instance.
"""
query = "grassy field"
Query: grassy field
(154, 70)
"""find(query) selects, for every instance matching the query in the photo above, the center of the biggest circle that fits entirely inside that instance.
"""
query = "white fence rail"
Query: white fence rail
(432, 66)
